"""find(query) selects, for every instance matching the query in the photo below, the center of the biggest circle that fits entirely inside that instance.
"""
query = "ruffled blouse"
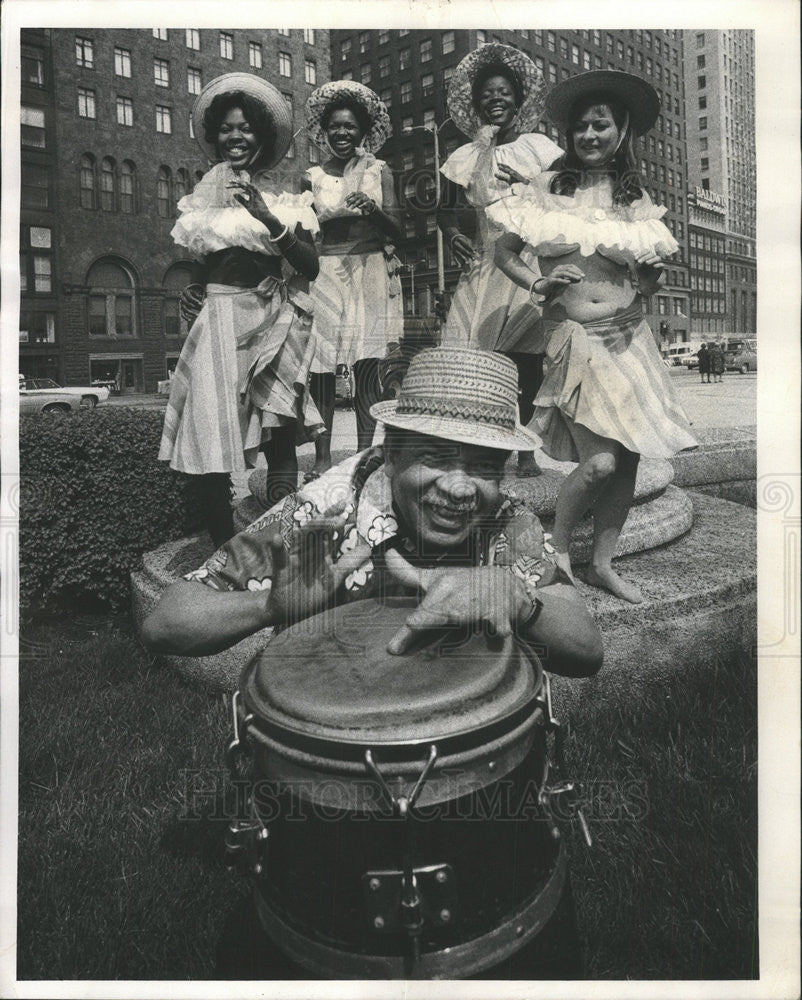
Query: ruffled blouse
(588, 220)
(473, 166)
(212, 219)
(362, 173)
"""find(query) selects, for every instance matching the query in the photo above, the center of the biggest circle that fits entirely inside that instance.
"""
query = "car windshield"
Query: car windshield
(45, 383)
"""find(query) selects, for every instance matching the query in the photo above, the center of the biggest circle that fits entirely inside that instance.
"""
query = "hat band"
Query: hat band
(457, 409)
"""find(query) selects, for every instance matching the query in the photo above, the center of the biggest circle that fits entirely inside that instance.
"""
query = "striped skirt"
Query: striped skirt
(608, 376)
(490, 312)
(243, 370)
(355, 314)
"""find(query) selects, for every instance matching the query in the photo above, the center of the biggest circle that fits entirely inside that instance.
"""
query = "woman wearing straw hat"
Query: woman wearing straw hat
(358, 308)
(240, 385)
(496, 97)
(606, 399)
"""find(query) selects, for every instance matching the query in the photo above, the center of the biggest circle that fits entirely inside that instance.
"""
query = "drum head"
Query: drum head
(331, 677)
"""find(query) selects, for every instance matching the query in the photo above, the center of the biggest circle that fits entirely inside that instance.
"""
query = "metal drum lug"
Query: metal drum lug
(396, 903)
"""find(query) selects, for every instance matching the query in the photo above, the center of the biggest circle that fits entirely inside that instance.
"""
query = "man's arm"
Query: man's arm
(570, 637)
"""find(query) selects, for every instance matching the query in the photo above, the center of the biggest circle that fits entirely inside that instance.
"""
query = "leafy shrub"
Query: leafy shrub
(93, 498)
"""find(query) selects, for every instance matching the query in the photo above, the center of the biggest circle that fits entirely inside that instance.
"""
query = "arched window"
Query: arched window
(178, 276)
(127, 174)
(107, 184)
(87, 181)
(163, 192)
(181, 186)
(111, 299)
(198, 176)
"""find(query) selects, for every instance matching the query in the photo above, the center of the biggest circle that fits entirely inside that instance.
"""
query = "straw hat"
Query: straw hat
(460, 96)
(461, 395)
(638, 97)
(260, 90)
(321, 100)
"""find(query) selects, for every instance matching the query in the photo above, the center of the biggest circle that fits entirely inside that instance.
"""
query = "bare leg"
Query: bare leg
(609, 514)
(322, 388)
(597, 462)
(282, 463)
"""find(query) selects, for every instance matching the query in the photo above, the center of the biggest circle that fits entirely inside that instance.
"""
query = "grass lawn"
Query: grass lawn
(121, 867)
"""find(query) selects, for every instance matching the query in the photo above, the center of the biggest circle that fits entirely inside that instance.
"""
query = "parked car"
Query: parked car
(87, 395)
(679, 354)
(744, 360)
(46, 400)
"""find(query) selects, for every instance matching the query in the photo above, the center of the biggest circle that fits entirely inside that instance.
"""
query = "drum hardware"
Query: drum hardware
(246, 839)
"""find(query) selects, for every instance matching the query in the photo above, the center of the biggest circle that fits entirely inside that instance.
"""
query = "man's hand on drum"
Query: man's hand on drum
(190, 302)
(466, 597)
(305, 577)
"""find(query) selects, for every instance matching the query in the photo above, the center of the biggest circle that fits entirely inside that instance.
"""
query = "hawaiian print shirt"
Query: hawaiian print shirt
(359, 489)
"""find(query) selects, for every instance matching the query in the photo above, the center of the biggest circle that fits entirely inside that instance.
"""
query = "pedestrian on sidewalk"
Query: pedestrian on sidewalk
(357, 306)
(704, 363)
(496, 97)
(240, 385)
(716, 362)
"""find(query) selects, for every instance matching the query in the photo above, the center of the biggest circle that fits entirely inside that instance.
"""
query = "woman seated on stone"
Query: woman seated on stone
(606, 398)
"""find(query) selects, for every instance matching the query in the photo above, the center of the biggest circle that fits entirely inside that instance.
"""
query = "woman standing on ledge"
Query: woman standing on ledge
(496, 97)
(240, 385)
(357, 308)
(606, 398)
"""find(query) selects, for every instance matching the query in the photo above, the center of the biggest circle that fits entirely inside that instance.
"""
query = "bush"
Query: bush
(93, 498)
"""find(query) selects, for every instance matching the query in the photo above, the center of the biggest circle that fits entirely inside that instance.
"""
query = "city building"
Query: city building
(107, 152)
(411, 70)
(720, 96)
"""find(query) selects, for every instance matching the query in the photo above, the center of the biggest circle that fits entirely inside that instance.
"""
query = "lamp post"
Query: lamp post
(435, 133)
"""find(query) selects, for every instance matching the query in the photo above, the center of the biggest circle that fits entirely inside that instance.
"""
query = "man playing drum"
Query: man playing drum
(423, 513)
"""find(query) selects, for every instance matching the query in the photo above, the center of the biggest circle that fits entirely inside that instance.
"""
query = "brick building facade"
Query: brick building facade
(107, 152)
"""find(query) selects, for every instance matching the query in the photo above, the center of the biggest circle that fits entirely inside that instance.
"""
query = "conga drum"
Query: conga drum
(398, 818)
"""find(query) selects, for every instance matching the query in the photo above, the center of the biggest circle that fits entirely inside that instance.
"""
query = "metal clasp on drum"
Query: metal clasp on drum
(246, 839)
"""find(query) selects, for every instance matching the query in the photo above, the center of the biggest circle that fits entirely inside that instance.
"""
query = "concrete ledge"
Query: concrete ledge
(700, 603)
(726, 454)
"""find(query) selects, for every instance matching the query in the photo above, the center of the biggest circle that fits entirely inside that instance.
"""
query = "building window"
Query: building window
(86, 103)
(122, 62)
(586, 63)
(226, 45)
(160, 33)
(365, 73)
(33, 66)
(552, 73)
(111, 300)
(163, 122)
(407, 122)
(427, 85)
(181, 186)
(32, 127)
(406, 92)
(384, 66)
(705, 163)
(86, 181)
(700, 62)
(564, 47)
(127, 187)
(364, 39)
(284, 64)
(428, 118)
(448, 43)
(309, 36)
(700, 40)
(254, 55)
(107, 185)
(404, 58)
(310, 71)
(193, 39)
(345, 49)
(386, 96)
(194, 80)
(284, 31)
(384, 37)
(84, 52)
(347, 74)
(701, 82)
(405, 31)
(191, 127)
(42, 276)
(161, 72)
(408, 160)
(426, 50)
(703, 124)
(575, 54)
(37, 328)
(313, 153)
(163, 192)
(290, 154)
(702, 103)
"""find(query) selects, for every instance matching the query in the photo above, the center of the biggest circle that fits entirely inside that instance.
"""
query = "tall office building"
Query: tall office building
(410, 70)
(107, 152)
(720, 94)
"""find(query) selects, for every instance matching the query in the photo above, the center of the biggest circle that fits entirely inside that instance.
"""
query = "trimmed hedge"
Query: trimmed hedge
(93, 498)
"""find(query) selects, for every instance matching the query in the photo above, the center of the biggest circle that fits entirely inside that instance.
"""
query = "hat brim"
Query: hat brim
(320, 101)
(460, 97)
(637, 95)
(463, 431)
(260, 90)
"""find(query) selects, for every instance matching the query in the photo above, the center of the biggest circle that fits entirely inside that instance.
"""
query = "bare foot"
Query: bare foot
(606, 578)
(527, 466)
